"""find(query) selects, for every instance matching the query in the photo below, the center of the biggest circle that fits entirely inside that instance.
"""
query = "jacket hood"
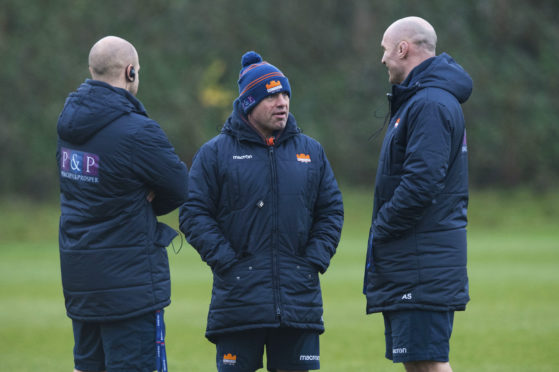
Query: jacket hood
(441, 72)
(238, 126)
(92, 107)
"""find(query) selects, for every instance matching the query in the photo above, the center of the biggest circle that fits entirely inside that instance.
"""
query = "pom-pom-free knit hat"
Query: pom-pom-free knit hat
(259, 79)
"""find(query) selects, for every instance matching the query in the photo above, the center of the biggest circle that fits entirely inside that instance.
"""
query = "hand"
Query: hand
(150, 196)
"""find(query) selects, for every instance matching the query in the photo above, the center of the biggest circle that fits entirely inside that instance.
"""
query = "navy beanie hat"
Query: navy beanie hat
(259, 79)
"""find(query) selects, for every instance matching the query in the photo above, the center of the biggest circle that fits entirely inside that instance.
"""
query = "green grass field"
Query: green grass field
(511, 323)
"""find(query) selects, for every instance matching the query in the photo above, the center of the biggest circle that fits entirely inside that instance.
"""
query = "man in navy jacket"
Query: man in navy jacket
(118, 171)
(416, 261)
(265, 213)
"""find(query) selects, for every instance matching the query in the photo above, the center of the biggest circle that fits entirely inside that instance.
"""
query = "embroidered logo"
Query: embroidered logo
(79, 166)
(242, 157)
(397, 123)
(247, 101)
(229, 359)
(303, 158)
(309, 357)
(273, 86)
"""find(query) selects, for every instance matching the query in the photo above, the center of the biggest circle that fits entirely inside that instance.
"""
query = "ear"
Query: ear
(403, 48)
(130, 73)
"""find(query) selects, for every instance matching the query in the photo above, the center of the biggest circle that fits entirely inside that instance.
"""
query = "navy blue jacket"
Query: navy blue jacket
(417, 243)
(266, 219)
(112, 249)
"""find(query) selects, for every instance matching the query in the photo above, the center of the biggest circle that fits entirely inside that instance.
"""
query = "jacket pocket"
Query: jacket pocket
(396, 268)
(301, 284)
(386, 186)
(242, 285)
(104, 269)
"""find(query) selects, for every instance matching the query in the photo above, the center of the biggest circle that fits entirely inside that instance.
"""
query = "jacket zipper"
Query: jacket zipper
(275, 263)
(389, 97)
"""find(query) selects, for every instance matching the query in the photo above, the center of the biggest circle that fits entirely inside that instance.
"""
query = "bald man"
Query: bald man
(416, 260)
(118, 171)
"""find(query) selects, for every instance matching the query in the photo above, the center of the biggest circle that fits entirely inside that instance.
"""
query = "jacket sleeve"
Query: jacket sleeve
(157, 164)
(328, 219)
(424, 171)
(197, 217)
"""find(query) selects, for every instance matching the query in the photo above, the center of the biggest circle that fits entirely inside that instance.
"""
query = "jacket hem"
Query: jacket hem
(213, 335)
(403, 307)
(116, 317)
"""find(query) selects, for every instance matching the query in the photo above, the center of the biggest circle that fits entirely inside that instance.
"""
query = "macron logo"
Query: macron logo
(242, 157)
(407, 296)
(309, 357)
(400, 350)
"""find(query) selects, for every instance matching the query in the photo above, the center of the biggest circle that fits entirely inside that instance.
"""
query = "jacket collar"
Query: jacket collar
(438, 72)
(238, 126)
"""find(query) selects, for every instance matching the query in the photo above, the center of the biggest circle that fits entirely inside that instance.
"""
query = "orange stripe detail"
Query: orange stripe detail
(256, 81)
(253, 66)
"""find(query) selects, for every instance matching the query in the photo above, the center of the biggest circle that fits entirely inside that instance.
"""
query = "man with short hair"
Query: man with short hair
(118, 171)
(416, 261)
(265, 213)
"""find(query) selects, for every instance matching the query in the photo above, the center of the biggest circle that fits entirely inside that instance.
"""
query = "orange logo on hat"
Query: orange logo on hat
(229, 359)
(303, 158)
(273, 86)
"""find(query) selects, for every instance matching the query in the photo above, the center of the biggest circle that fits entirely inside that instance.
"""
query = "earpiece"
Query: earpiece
(130, 73)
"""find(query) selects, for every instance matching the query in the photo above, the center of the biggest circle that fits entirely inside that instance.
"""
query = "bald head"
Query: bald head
(110, 57)
(406, 43)
(415, 30)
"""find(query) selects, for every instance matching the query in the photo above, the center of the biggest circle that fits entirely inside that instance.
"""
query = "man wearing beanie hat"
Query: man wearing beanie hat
(264, 211)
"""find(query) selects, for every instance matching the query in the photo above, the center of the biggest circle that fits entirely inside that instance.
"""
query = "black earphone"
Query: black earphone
(130, 73)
